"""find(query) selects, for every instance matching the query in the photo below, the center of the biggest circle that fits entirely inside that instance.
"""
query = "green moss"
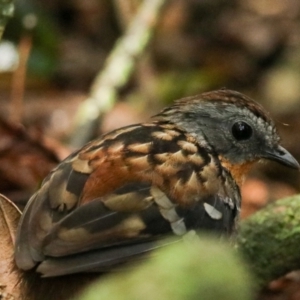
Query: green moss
(205, 269)
(270, 239)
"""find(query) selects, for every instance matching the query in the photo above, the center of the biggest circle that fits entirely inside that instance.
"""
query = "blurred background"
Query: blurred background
(52, 51)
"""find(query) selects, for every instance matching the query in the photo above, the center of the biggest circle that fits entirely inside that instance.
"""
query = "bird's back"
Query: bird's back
(112, 199)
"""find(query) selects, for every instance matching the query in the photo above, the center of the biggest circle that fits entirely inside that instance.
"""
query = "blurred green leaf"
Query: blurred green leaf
(45, 36)
(175, 85)
(204, 269)
(6, 12)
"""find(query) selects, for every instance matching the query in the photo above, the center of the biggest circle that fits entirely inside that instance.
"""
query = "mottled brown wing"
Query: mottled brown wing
(112, 199)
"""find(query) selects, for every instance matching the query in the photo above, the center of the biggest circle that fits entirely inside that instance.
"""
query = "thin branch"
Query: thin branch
(126, 10)
(119, 66)
(19, 79)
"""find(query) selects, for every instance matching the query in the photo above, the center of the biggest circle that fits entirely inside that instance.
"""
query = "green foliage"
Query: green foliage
(6, 12)
(45, 37)
(203, 269)
(175, 85)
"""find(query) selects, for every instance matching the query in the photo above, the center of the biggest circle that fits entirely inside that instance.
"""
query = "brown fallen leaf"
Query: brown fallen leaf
(18, 285)
(26, 157)
(9, 277)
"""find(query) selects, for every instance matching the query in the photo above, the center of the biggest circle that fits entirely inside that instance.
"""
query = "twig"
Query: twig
(19, 79)
(125, 11)
(119, 66)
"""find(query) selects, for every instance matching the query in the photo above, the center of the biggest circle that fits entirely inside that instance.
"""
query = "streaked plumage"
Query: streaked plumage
(117, 196)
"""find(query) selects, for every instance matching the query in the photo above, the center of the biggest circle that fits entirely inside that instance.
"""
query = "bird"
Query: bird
(119, 196)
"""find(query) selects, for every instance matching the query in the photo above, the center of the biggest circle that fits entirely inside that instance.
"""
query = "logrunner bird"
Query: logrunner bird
(119, 195)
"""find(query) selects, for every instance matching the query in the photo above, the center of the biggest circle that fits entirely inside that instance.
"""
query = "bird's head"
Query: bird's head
(232, 124)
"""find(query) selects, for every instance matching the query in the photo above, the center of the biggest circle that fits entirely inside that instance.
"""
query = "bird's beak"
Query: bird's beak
(282, 156)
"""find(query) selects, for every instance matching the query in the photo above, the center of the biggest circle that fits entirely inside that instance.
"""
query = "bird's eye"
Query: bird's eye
(241, 131)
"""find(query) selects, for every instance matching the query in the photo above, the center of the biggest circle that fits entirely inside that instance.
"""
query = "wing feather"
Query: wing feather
(97, 260)
(100, 207)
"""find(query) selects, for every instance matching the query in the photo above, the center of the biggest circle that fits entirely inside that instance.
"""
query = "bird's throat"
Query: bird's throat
(237, 171)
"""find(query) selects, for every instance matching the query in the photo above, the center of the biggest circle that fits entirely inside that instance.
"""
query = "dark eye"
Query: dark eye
(241, 131)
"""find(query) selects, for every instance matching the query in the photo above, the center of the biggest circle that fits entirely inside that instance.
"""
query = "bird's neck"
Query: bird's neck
(238, 171)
